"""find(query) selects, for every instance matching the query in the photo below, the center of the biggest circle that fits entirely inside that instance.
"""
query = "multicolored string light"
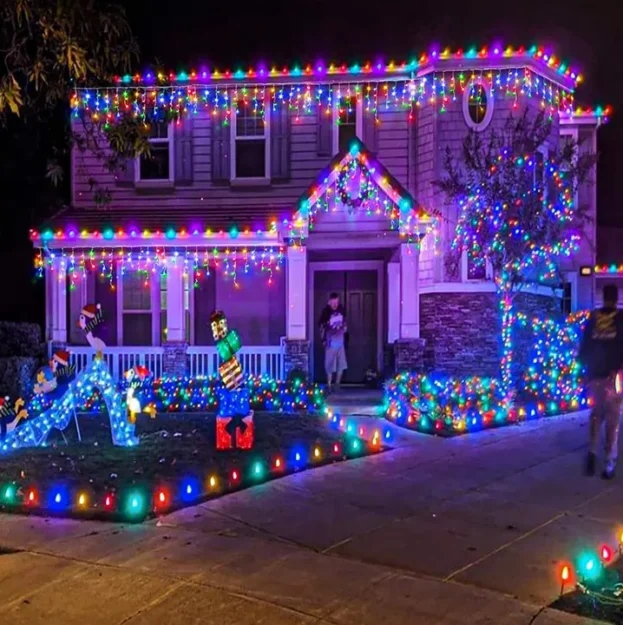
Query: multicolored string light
(552, 384)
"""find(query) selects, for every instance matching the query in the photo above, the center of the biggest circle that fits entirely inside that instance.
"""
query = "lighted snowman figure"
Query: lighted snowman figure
(135, 378)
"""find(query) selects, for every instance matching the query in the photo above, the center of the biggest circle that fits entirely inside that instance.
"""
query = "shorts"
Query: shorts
(335, 359)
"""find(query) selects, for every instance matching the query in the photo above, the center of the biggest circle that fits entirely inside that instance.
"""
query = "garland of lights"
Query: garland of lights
(552, 384)
(173, 101)
(152, 263)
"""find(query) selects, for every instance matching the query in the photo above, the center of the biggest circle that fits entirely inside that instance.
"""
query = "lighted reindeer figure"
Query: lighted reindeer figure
(90, 317)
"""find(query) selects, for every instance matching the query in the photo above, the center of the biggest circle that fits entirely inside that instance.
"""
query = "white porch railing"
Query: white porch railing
(262, 360)
(119, 359)
(202, 360)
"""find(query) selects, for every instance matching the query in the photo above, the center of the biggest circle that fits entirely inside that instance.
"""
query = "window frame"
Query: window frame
(158, 181)
(480, 126)
(465, 273)
(233, 144)
(189, 313)
(154, 310)
(335, 109)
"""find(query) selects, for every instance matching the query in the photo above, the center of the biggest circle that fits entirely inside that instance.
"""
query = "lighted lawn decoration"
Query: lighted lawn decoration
(90, 317)
(10, 416)
(135, 379)
(516, 211)
(234, 418)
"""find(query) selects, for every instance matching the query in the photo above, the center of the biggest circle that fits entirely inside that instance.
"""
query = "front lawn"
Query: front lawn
(176, 463)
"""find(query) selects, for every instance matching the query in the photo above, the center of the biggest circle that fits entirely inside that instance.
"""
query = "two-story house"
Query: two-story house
(268, 189)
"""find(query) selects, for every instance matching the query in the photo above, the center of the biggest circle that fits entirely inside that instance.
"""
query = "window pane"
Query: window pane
(137, 329)
(250, 159)
(477, 103)
(163, 326)
(156, 167)
(476, 270)
(249, 121)
(158, 130)
(347, 123)
(136, 292)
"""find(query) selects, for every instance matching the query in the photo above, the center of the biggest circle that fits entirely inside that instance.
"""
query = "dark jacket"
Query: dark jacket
(601, 348)
(325, 316)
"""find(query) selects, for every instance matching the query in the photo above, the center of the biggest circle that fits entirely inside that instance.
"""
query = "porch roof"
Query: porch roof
(158, 226)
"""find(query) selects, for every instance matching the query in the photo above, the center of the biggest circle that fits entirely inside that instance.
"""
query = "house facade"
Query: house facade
(268, 189)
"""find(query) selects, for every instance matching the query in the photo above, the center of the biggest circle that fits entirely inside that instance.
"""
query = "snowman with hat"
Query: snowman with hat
(90, 317)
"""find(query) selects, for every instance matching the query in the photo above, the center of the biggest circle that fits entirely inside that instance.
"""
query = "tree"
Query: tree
(51, 46)
(516, 210)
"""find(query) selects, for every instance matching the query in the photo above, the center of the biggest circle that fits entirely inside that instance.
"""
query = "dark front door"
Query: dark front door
(358, 291)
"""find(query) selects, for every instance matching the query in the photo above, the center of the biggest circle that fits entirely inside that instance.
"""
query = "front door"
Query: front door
(358, 291)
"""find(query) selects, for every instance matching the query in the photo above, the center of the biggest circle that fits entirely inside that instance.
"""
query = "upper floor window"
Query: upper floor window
(159, 164)
(477, 105)
(347, 115)
(250, 143)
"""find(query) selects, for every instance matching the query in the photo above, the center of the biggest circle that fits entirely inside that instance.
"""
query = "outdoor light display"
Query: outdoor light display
(74, 261)
(135, 380)
(96, 377)
(438, 78)
(234, 417)
(552, 384)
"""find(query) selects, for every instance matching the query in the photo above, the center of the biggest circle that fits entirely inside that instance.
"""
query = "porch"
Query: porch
(202, 361)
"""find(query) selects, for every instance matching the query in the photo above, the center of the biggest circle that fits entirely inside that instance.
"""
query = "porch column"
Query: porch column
(56, 291)
(296, 297)
(296, 348)
(175, 357)
(409, 292)
(408, 347)
(175, 302)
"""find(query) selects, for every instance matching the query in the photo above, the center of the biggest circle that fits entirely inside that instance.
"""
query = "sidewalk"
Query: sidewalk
(438, 531)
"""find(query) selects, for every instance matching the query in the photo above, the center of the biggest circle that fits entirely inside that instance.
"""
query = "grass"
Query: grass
(174, 449)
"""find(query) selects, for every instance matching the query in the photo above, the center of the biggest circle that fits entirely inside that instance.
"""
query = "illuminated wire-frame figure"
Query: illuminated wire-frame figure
(234, 419)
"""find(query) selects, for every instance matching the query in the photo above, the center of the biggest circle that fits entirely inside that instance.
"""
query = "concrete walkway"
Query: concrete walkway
(459, 531)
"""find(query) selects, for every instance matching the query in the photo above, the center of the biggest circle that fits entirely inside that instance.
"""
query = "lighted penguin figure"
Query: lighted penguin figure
(10, 416)
(234, 419)
(135, 378)
(90, 317)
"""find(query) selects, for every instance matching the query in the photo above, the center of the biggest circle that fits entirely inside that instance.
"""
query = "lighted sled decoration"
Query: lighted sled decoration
(35, 431)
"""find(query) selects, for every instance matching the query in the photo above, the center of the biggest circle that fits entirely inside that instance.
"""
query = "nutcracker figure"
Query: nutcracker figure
(234, 418)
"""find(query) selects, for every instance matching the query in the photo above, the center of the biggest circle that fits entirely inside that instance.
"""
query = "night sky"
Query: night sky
(230, 34)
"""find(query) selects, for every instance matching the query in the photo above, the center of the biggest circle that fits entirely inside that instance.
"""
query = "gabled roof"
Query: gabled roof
(407, 211)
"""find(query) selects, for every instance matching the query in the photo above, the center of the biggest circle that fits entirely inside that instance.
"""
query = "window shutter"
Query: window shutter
(369, 131)
(280, 142)
(183, 150)
(325, 132)
(124, 174)
(220, 150)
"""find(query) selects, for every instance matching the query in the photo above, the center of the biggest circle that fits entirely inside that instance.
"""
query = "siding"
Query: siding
(306, 165)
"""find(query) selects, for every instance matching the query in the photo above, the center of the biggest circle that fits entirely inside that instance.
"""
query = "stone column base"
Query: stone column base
(296, 356)
(409, 355)
(175, 359)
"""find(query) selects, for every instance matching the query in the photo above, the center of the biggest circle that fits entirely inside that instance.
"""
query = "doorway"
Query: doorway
(358, 290)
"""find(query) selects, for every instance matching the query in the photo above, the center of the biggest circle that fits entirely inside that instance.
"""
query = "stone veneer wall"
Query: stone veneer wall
(462, 331)
(296, 356)
(175, 359)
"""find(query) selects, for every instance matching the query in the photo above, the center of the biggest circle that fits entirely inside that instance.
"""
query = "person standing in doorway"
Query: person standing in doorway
(333, 330)
(601, 352)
